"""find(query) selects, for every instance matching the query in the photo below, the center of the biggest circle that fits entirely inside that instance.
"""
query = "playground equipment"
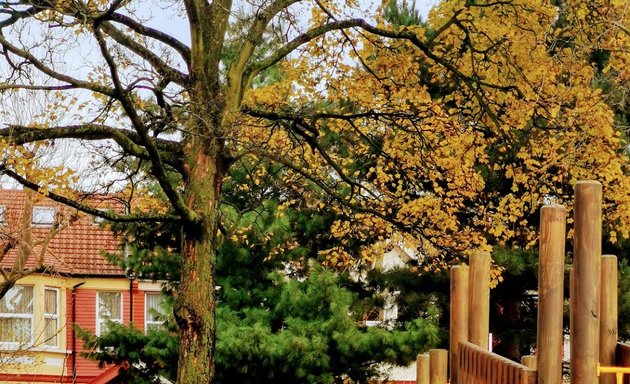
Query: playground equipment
(596, 356)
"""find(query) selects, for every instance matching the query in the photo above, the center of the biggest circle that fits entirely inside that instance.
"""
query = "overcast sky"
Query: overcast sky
(165, 15)
(161, 17)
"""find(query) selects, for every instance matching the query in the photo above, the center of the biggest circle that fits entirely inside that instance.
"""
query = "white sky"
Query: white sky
(162, 17)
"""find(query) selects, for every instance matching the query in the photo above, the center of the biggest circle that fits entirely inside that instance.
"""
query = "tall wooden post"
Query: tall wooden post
(529, 361)
(459, 315)
(587, 274)
(422, 369)
(439, 366)
(479, 299)
(608, 316)
(551, 294)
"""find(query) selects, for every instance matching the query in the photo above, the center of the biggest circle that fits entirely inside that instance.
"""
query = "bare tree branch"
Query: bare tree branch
(18, 15)
(91, 86)
(160, 66)
(6, 87)
(160, 36)
(157, 164)
(128, 140)
(108, 215)
(255, 68)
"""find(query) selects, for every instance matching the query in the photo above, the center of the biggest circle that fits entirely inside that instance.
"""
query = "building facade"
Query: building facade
(68, 283)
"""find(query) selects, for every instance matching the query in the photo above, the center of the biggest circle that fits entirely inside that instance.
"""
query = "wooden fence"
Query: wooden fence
(479, 366)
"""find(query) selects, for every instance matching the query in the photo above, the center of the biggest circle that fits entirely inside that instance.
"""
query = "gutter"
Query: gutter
(130, 302)
(131, 275)
(74, 337)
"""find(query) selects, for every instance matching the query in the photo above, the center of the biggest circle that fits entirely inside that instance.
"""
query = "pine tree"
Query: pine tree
(282, 317)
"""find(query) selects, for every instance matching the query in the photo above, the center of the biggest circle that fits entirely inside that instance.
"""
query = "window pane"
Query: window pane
(109, 305)
(18, 299)
(43, 215)
(154, 306)
(15, 330)
(51, 331)
(50, 301)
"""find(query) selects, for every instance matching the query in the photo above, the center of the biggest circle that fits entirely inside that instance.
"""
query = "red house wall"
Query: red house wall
(138, 307)
(85, 317)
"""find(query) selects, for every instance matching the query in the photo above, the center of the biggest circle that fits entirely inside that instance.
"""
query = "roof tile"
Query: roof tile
(78, 247)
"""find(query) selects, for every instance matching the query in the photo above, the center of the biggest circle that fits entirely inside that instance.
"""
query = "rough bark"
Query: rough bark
(196, 301)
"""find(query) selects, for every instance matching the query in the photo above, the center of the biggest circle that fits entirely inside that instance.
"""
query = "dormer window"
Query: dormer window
(2, 214)
(43, 216)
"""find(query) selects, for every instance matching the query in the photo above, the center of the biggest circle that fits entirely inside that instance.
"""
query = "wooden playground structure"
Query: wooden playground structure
(596, 354)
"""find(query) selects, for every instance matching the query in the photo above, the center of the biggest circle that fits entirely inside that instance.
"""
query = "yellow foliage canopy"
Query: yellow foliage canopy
(459, 136)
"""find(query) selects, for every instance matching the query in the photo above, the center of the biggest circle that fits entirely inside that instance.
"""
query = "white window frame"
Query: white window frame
(100, 321)
(51, 316)
(3, 214)
(148, 322)
(31, 316)
(42, 212)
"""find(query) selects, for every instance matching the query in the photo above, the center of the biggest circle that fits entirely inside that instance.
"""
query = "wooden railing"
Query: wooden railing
(478, 366)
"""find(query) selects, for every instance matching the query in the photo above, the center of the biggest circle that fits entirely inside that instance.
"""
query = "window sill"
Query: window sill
(14, 347)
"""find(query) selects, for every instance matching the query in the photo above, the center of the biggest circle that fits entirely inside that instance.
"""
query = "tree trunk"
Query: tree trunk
(196, 301)
(205, 167)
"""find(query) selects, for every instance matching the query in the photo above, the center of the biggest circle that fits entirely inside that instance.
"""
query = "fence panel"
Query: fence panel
(479, 366)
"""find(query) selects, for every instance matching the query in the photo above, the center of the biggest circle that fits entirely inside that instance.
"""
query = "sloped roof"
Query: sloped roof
(76, 249)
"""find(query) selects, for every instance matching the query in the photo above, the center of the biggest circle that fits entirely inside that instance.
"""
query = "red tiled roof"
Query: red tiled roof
(77, 249)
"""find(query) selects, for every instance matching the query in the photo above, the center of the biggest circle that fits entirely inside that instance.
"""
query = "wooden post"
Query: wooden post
(530, 362)
(422, 369)
(608, 316)
(459, 316)
(571, 306)
(550, 338)
(587, 274)
(439, 366)
(479, 299)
